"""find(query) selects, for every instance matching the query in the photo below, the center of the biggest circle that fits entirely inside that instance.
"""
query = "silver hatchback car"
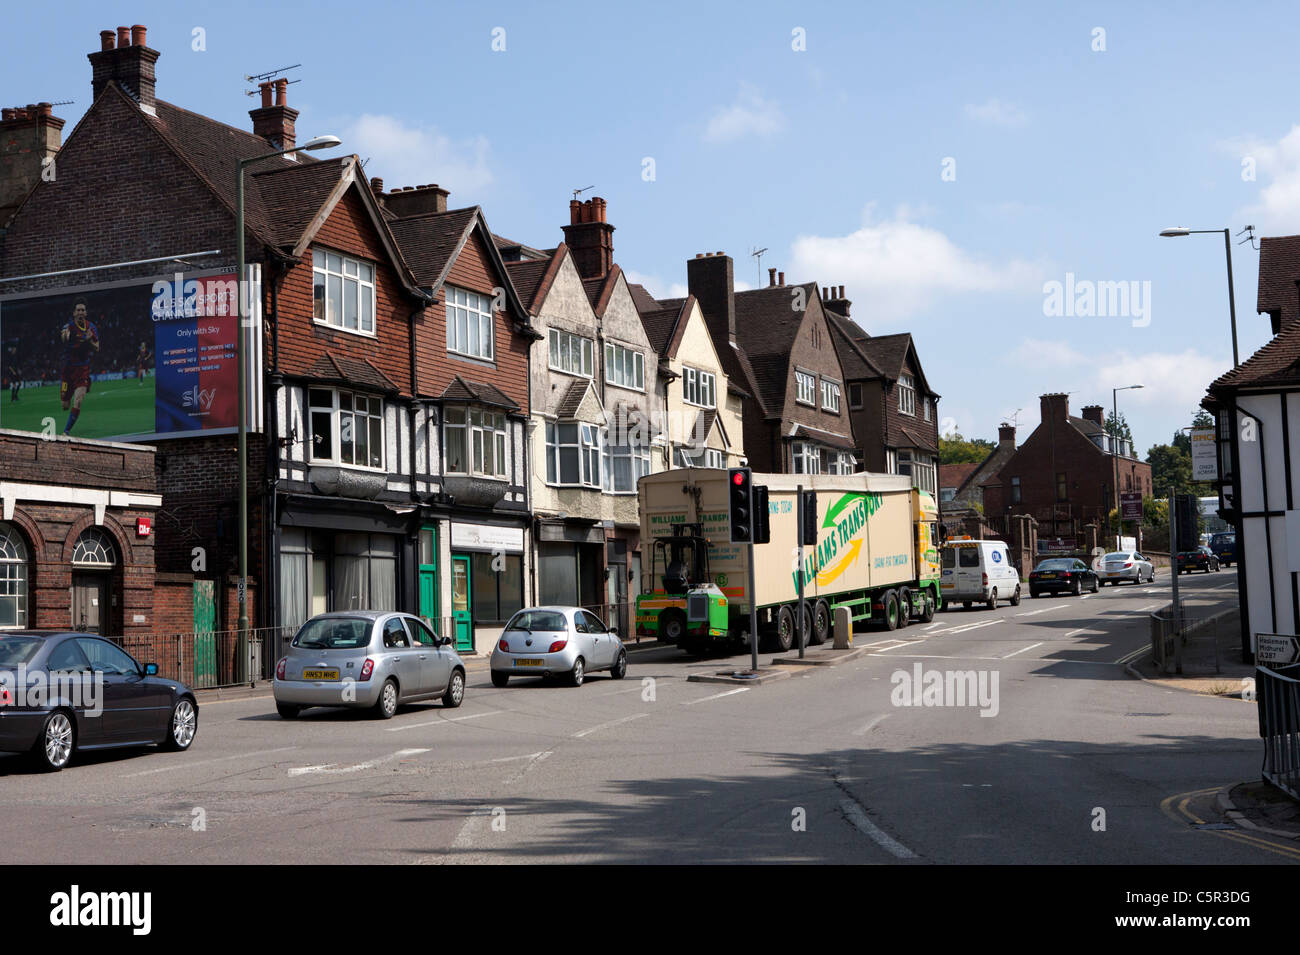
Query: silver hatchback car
(557, 641)
(367, 659)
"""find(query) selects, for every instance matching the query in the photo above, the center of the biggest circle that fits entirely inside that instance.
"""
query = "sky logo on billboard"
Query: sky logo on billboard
(200, 398)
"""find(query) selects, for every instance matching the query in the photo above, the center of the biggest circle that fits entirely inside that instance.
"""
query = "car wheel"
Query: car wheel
(1015, 597)
(500, 678)
(287, 710)
(182, 727)
(1034, 593)
(992, 602)
(1096, 585)
(619, 669)
(54, 745)
(386, 705)
(578, 673)
(928, 613)
(672, 625)
(455, 690)
(1077, 588)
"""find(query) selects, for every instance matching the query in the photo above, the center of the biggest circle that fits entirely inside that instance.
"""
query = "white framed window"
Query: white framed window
(806, 457)
(841, 462)
(906, 395)
(624, 466)
(469, 323)
(688, 457)
(346, 428)
(571, 353)
(573, 454)
(474, 442)
(343, 292)
(920, 468)
(13, 578)
(699, 387)
(926, 405)
(805, 388)
(624, 367)
(830, 396)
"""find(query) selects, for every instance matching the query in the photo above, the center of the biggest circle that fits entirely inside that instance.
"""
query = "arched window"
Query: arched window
(13, 578)
(94, 549)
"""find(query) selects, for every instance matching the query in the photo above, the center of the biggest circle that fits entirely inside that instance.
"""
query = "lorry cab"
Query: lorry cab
(978, 571)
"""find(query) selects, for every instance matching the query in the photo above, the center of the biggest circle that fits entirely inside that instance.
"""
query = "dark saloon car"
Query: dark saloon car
(1060, 575)
(1200, 559)
(1224, 547)
(61, 692)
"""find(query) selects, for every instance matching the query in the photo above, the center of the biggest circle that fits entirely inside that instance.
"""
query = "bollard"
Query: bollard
(843, 629)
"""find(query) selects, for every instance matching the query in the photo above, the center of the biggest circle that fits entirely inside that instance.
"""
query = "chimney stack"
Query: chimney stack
(837, 302)
(1007, 436)
(1054, 407)
(130, 65)
(29, 138)
(1094, 413)
(711, 279)
(274, 122)
(590, 238)
(407, 201)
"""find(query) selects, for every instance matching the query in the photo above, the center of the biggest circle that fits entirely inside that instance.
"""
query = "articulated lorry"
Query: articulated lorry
(876, 553)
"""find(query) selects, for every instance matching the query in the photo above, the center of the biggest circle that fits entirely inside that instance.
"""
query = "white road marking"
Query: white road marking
(1030, 613)
(718, 696)
(1073, 632)
(933, 625)
(1023, 649)
(631, 689)
(190, 764)
(602, 726)
(511, 759)
(539, 757)
(902, 643)
(863, 731)
(1086, 596)
(448, 719)
(1147, 607)
(335, 769)
(462, 840)
(974, 626)
(858, 816)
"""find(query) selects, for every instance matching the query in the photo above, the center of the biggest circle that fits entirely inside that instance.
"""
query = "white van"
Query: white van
(977, 571)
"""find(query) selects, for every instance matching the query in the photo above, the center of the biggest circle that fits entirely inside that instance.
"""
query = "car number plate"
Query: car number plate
(528, 663)
(1048, 576)
(320, 674)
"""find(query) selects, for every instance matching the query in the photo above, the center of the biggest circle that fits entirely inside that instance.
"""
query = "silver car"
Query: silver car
(1117, 567)
(557, 641)
(367, 659)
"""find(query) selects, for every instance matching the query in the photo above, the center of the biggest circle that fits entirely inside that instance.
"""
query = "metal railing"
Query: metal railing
(1278, 694)
(1169, 637)
(204, 660)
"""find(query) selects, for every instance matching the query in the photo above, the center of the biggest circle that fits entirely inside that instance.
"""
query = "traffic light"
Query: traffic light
(1186, 527)
(762, 525)
(808, 533)
(741, 507)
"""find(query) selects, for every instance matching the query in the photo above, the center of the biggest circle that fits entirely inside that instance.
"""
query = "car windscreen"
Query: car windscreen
(537, 620)
(1056, 565)
(16, 650)
(334, 633)
(1221, 539)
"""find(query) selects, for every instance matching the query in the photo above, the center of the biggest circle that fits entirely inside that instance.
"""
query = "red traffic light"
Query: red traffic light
(737, 478)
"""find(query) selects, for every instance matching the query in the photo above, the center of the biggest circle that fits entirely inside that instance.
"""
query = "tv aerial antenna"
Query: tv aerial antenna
(578, 192)
(758, 259)
(257, 78)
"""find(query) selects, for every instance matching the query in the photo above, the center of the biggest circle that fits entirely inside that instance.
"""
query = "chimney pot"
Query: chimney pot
(376, 185)
(106, 38)
(781, 276)
(574, 210)
(265, 87)
(281, 92)
(138, 35)
(6, 114)
(771, 277)
(699, 255)
(841, 291)
(123, 37)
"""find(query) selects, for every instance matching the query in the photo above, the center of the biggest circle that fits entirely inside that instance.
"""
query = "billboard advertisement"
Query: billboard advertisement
(136, 360)
(1205, 455)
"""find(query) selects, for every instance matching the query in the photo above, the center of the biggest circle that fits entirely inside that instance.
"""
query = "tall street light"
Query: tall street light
(1114, 453)
(241, 643)
(1227, 247)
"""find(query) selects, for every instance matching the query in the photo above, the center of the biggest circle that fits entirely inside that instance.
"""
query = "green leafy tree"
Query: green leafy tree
(1118, 428)
(1171, 467)
(954, 449)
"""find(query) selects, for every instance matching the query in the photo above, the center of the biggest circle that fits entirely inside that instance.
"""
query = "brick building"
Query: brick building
(1063, 475)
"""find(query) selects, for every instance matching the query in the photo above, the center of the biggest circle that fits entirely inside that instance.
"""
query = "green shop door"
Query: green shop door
(460, 602)
(429, 578)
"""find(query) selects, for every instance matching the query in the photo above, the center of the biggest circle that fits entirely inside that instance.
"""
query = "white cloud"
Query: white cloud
(750, 115)
(893, 268)
(407, 155)
(655, 285)
(1043, 352)
(997, 113)
(1277, 211)
(1173, 383)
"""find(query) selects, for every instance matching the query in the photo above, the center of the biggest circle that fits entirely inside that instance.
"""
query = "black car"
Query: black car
(1062, 575)
(62, 691)
(1224, 547)
(1200, 559)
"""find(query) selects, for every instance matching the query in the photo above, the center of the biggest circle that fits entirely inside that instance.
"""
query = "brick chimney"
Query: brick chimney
(837, 302)
(1054, 407)
(274, 122)
(1095, 414)
(710, 277)
(590, 238)
(410, 201)
(126, 62)
(1007, 436)
(29, 137)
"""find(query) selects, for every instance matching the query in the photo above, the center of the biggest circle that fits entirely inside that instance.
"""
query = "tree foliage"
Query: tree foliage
(954, 449)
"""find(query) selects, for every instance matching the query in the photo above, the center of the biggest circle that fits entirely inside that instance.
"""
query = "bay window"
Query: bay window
(346, 428)
(806, 458)
(624, 465)
(573, 454)
(474, 441)
(688, 457)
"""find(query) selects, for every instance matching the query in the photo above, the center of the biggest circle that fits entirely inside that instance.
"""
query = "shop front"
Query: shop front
(484, 583)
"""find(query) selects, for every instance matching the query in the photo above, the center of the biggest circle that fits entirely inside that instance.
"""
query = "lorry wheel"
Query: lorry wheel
(891, 610)
(965, 604)
(783, 638)
(672, 626)
(928, 613)
(904, 607)
(819, 623)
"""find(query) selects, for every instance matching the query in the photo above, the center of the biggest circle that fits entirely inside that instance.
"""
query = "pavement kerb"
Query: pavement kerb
(1223, 802)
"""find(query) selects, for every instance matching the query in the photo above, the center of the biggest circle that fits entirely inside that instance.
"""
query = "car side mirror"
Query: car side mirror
(613, 631)
(151, 669)
(446, 641)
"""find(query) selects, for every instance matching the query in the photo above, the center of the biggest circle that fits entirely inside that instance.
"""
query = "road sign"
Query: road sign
(1130, 505)
(1205, 455)
(1278, 649)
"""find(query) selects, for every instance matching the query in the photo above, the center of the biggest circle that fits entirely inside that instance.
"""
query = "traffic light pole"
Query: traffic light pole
(753, 614)
(798, 623)
(1175, 614)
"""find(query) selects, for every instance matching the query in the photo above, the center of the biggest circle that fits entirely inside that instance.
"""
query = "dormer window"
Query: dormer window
(343, 292)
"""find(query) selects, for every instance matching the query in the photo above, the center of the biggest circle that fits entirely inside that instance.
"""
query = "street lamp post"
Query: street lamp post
(241, 643)
(1227, 248)
(1114, 454)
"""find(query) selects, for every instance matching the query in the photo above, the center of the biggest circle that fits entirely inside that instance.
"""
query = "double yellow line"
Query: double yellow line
(1182, 799)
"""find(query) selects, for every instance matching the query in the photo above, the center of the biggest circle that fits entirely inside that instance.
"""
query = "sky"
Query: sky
(971, 173)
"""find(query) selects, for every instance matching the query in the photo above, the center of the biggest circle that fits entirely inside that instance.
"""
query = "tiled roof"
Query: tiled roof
(293, 194)
(525, 252)
(527, 278)
(428, 242)
(954, 475)
(910, 439)
(1087, 427)
(855, 361)
(572, 400)
(352, 371)
(477, 392)
(644, 301)
(842, 441)
(887, 352)
(1279, 267)
(600, 290)
(1278, 362)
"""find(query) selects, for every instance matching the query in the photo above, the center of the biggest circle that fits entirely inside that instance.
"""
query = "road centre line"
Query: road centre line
(718, 696)
(215, 759)
(602, 726)
(1030, 613)
(864, 730)
(1023, 649)
(332, 769)
(447, 719)
(858, 816)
